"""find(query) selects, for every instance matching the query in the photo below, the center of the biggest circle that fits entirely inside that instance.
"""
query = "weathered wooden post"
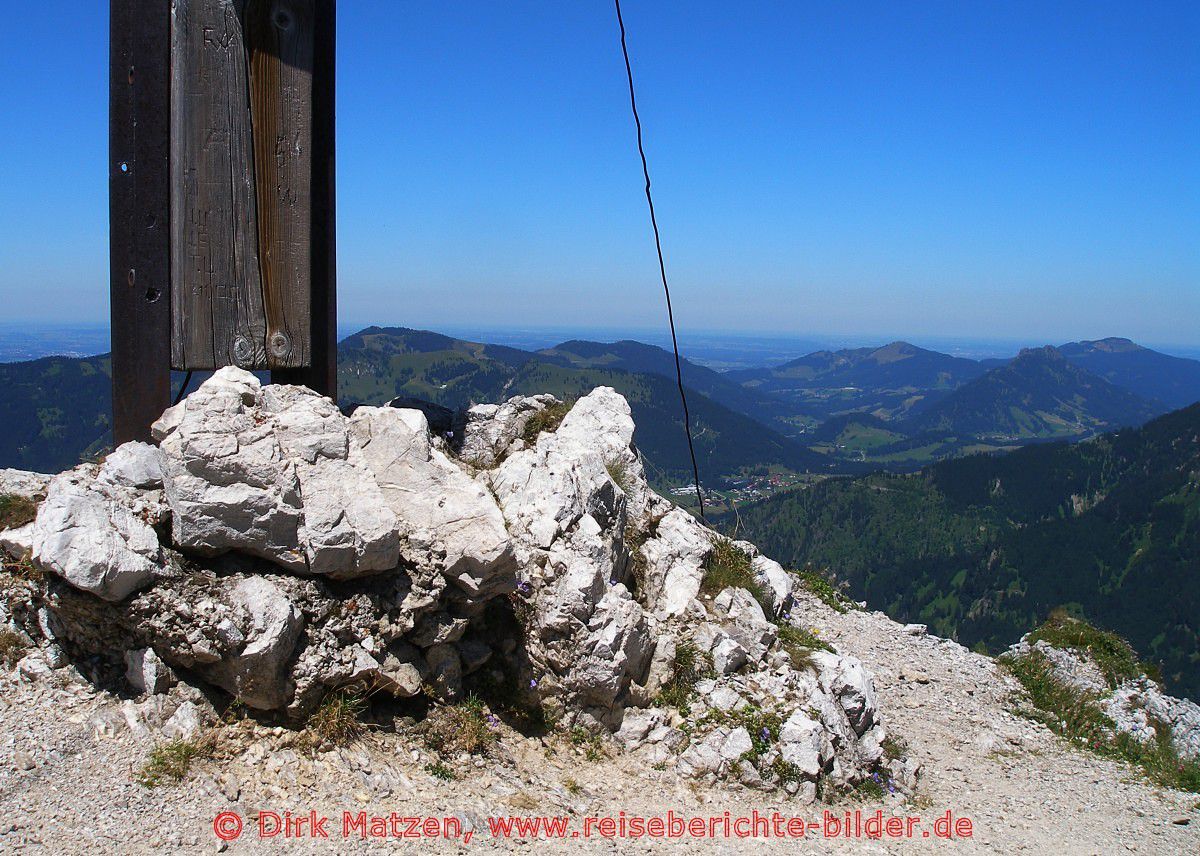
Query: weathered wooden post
(221, 195)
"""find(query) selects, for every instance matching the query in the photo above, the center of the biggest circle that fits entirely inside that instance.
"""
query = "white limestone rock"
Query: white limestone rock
(438, 508)
(17, 543)
(743, 618)
(674, 559)
(568, 514)
(492, 429)
(133, 464)
(23, 483)
(262, 631)
(804, 743)
(269, 471)
(775, 583)
(98, 537)
(728, 656)
(851, 685)
(147, 673)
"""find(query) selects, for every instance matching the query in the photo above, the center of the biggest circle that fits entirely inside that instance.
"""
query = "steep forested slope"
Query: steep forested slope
(984, 547)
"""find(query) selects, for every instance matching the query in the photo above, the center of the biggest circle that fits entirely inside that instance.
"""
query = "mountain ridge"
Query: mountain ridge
(1038, 394)
(983, 547)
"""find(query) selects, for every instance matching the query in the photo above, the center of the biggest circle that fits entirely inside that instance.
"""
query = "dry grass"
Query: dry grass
(619, 474)
(22, 569)
(546, 419)
(338, 719)
(727, 566)
(12, 647)
(689, 667)
(465, 727)
(16, 510)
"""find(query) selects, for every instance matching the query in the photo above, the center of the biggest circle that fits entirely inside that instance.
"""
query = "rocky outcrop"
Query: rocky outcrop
(491, 431)
(275, 549)
(567, 515)
(1137, 706)
(270, 471)
(97, 534)
(444, 517)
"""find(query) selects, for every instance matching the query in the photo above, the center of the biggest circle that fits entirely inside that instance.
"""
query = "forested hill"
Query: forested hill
(982, 548)
(54, 411)
(1040, 394)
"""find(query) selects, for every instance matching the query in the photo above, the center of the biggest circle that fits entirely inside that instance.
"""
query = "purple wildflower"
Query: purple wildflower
(533, 683)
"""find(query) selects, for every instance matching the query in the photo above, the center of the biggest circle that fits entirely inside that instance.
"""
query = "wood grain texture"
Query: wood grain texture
(251, 176)
(321, 373)
(217, 308)
(280, 37)
(139, 213)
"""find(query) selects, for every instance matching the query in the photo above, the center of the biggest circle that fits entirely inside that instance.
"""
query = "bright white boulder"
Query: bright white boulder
(98, 537)
(268, 472)
(437, 507)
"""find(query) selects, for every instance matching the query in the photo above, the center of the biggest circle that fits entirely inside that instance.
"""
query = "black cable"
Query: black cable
(662, 268)
(187, 379)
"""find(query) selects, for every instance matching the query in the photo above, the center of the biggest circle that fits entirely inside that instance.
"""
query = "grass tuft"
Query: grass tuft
(894, 748)
(800, 643)
(464, 727)
(634, 539)
(338, 719)
(440, 771)
(1114, 656)
(23, 569)
(546, 419)
(16, 510)
(587, 742)
(12, 647)
(820, 587)
(689, 667)
(786, 772)
(619, 474)
(728, 566)
(763, 727)
(170, 762)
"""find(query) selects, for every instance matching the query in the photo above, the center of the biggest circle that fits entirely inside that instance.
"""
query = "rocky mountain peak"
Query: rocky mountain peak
(276, 550)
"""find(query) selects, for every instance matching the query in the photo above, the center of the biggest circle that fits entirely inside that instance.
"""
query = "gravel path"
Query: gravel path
(68, 787)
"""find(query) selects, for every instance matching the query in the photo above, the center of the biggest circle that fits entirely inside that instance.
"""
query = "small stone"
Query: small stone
(24, 762)
(230, 787)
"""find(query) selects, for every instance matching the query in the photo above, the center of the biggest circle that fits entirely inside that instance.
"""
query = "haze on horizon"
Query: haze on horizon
(919, 170)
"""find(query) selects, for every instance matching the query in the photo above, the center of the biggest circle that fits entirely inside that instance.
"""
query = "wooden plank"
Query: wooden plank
(139, 213)
(280, 39)
(321, 374)
(217, 314)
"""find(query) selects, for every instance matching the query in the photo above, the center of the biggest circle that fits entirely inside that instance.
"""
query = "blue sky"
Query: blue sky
(1026, 170)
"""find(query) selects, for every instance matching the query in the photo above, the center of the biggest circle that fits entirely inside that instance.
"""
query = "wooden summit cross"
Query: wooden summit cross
(221, 195)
